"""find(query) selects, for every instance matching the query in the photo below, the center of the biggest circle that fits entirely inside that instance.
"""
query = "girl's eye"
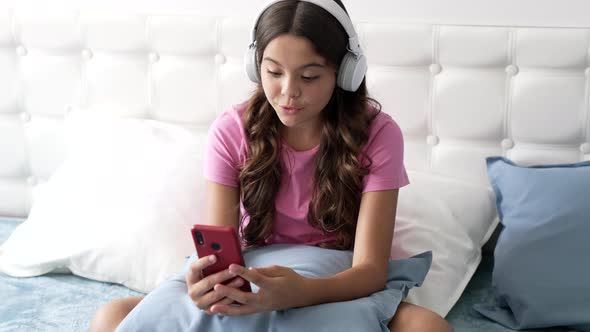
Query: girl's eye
(273, 74)
(305, 78)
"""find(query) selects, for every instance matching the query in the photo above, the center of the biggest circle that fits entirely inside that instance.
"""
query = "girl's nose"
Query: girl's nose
(290, 88)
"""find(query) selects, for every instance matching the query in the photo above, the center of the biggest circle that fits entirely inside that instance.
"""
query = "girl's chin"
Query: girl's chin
(289, 123)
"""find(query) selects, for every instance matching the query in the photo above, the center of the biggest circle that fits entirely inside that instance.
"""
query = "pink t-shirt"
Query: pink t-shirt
(227, 150)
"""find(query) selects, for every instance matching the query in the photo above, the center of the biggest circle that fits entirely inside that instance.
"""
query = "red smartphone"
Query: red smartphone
(221, 241)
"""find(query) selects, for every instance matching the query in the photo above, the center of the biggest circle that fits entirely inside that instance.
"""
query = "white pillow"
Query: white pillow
(452, 218)
(118, 209)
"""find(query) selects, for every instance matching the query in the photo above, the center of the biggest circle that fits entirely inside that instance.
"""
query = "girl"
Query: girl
(311, 160)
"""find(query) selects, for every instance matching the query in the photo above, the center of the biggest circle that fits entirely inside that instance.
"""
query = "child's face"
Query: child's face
(297, 81)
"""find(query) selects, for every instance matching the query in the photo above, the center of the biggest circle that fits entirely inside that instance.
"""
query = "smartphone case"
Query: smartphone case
(221, 241)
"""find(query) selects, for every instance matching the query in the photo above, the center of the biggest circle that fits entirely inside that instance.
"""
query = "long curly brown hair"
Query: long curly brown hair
(340, 161)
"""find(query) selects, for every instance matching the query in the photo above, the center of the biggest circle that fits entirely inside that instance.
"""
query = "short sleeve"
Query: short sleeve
(386, 150)
(225, 142)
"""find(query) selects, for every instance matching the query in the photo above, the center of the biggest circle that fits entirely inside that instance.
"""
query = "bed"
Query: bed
(65, 302)
(460, 93)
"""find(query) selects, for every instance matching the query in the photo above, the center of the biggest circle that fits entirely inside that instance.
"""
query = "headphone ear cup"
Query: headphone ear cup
(352, 72)
(250, 64)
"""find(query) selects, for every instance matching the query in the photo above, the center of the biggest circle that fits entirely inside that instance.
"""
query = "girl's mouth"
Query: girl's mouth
(291, 110)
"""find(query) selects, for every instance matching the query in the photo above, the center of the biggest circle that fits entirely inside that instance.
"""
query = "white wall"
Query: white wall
(566, 13)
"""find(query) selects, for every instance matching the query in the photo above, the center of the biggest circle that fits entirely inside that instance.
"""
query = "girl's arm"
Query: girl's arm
(372, 248)
(222, 209)
(282, 288)
(222, 205)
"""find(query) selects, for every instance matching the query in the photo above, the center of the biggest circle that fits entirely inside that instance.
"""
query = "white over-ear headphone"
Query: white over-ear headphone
(354, 64)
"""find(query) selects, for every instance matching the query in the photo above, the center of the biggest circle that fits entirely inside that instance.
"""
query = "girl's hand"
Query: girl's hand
(279, 288)
(200, 289)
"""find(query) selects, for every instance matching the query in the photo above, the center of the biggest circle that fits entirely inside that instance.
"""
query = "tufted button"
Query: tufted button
(87, 54)
(220, 59)
(68, 110)
(585, 148)
(25, 116)
(512, 70)
(435, 68)
(154, 57)
(21, 50)
(32, 180)
(588, 72)
(507, 144)
(432, 140)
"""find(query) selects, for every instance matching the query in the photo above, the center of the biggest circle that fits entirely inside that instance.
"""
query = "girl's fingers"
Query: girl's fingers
(236, 283)
(206, 301)
(229, 310)
(194, 272)
(225, 301)
(206, 284)
(252, 275)
(237, 295)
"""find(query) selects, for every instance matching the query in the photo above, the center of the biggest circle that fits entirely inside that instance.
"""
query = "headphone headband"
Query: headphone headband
(331, 7)
(354, 64)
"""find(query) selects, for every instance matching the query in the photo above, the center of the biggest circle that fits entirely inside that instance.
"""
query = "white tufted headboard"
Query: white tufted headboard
(460, 93)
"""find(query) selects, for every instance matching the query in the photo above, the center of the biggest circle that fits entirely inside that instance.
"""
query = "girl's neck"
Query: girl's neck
(301, 139)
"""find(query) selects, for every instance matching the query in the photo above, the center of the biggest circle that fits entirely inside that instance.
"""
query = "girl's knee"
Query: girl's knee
(409, 317)
(108, 317)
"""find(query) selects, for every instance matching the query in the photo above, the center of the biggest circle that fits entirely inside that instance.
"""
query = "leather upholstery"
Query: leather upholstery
(460, 93)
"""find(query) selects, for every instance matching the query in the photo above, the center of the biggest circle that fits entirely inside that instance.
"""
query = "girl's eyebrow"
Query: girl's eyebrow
(313, 64)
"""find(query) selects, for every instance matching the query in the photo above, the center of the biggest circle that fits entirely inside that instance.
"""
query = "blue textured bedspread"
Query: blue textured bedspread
(54, 302)
(58, 302)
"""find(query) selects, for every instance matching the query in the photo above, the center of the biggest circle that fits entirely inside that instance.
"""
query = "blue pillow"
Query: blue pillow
(541, 274)
(168, 307)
